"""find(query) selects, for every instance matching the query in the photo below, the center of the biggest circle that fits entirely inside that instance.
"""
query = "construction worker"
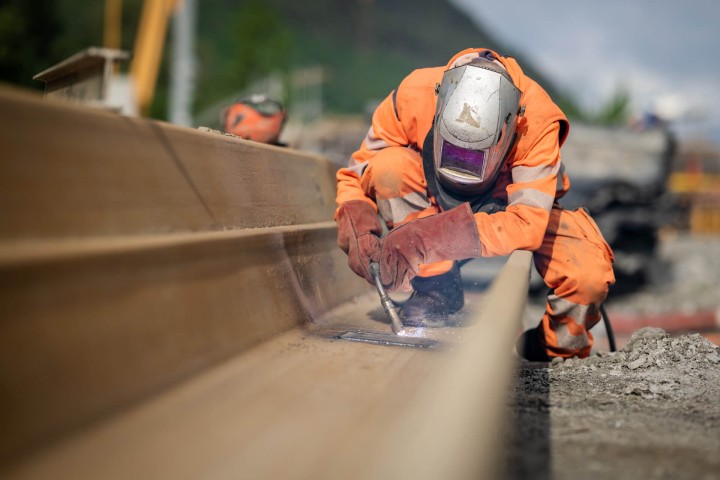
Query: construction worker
(463, 161)
(255, 117)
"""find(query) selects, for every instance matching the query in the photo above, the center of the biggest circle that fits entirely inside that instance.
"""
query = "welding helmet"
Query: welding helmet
(475, 121)
(255, 117)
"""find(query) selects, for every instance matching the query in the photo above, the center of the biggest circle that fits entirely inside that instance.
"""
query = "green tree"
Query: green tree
(616, 110)
(28, 30)
(247, 43)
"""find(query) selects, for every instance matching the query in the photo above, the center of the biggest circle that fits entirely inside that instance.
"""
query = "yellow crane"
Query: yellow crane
(149, 44)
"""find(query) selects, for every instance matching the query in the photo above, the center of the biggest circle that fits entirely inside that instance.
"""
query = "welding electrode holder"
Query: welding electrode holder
(387, 303)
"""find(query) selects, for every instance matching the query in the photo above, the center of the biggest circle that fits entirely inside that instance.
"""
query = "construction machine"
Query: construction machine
(621, 176)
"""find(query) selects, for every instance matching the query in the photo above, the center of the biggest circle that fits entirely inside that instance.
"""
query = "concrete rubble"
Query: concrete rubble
(654, 363)
(650, 410)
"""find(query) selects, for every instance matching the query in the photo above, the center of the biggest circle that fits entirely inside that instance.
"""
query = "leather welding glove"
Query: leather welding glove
(359, 231)
(451, 235)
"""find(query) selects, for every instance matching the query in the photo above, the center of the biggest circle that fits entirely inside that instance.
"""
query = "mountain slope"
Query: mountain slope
(365, 46)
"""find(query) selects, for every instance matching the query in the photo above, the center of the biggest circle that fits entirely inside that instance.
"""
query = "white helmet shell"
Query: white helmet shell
(476, 111)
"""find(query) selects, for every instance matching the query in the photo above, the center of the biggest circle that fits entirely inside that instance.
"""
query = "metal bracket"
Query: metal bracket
(389, 339)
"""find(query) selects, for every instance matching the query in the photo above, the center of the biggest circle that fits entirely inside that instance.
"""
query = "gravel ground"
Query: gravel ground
(650, 410)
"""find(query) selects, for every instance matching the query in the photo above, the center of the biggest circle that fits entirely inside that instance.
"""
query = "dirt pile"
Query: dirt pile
(652, 364)
(654, 404)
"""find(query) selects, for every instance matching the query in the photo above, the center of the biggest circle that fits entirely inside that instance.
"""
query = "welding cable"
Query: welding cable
(608, 328)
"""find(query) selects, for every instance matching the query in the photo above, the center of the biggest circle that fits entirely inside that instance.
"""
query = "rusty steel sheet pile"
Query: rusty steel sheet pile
(174, 305)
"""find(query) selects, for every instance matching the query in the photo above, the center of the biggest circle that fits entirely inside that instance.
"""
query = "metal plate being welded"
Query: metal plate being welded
(389, 339)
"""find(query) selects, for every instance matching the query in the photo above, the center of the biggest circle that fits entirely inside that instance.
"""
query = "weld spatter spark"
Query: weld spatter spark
(413, 332)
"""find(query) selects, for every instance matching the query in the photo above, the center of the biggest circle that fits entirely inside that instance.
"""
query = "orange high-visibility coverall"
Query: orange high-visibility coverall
(569, 251)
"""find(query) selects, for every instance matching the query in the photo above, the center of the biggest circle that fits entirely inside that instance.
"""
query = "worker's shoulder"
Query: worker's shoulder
(526, 84)
(540, 111)
(538, 102)
(531, 87)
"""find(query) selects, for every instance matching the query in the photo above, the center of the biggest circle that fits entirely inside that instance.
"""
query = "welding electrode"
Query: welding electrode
(386, 301)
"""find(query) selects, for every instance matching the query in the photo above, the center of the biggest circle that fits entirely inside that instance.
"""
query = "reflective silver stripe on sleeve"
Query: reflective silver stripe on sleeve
(560, 176)
(356, 167)
(397, 209)
(371, 143)
(374, 143)
(531, 198)
(567, 340)
(529, 174)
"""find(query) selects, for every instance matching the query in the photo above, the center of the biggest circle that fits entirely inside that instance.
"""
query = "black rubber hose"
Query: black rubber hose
(608, 328)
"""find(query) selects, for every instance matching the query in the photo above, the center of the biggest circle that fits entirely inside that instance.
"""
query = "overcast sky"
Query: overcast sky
(665, 52)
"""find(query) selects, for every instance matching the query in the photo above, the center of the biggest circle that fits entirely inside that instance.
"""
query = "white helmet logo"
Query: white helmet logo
(467, 118)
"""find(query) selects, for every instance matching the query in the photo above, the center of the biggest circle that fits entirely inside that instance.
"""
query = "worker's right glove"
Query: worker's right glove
(451, 235)
(359, 231)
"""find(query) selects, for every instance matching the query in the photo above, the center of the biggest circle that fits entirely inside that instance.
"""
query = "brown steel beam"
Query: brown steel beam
(300, 406)
(463, 401)
(135, 253)
(169, 302)
(73, 172)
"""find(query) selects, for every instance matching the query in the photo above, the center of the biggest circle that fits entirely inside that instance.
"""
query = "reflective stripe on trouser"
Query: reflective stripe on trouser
(394, 178)
(576, 263)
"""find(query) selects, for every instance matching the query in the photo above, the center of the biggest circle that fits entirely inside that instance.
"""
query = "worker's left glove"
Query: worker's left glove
(359, 231)
(451, 235)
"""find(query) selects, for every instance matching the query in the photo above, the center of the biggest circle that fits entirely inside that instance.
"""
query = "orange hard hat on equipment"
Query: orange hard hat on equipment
(255, 117)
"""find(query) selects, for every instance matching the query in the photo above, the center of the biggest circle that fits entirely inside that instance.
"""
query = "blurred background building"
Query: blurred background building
(643, 151)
